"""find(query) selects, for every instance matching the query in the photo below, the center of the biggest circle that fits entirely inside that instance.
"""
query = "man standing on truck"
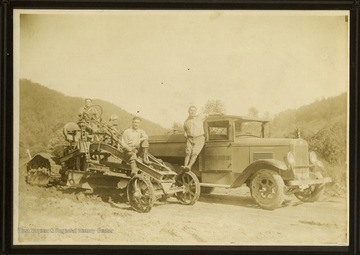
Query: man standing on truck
(134, 140)
(194, 132)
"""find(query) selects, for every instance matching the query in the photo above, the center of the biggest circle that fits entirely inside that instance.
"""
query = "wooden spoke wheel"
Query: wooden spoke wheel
(191, 185)
(141, 194)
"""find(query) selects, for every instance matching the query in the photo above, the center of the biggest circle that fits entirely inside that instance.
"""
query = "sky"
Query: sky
(157, 63)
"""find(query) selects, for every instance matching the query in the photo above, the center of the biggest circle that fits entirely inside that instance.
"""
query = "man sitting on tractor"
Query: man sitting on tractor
(134, 140)
(88, 115)
(87, 112)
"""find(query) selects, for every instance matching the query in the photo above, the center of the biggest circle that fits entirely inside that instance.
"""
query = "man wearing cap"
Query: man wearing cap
(134, 140)
(87, 116)
(194, 132)
(86, 112)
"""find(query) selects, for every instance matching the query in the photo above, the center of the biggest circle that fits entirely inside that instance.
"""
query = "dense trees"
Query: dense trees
(323, 124)
(44, 112)
(214, 106)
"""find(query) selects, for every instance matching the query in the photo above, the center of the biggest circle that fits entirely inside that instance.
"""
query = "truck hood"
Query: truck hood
(247, 141)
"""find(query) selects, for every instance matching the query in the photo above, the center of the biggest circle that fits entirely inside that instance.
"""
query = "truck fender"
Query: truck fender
(272, 164)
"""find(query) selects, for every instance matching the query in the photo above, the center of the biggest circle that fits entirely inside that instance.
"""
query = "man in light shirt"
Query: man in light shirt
(134, 140)
(194, 132)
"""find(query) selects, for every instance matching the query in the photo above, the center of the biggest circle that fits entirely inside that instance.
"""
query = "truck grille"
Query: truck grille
(301, 153)
(302, 173)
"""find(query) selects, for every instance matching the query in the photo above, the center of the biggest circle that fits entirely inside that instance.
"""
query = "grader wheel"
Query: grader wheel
(192, 188)
(141, 194)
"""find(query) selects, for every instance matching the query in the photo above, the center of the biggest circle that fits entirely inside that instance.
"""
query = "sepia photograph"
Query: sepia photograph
(181, 127)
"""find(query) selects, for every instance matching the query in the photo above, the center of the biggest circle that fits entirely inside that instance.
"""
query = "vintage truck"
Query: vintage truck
(236, 152)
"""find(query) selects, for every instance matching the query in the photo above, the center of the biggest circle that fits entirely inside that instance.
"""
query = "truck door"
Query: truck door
(217, 160)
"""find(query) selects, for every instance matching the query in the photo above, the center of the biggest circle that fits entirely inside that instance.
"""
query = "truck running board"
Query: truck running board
(214, 185)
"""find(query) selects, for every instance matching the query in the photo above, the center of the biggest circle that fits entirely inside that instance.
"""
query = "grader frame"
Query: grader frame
(94, 158)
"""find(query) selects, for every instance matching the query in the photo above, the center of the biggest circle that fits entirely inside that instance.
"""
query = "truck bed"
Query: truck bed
(165, 146)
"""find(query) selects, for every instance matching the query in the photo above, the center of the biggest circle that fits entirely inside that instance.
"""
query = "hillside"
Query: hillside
(312, 118)
(323, 124)
(44, 112)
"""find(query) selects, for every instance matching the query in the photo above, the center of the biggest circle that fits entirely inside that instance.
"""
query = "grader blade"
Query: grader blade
(38, 177)
(39, 169)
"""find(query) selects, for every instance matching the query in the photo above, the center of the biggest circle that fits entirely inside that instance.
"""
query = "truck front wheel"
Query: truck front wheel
(267, 189)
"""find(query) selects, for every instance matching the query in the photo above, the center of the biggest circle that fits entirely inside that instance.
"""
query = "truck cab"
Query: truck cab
(236, 152)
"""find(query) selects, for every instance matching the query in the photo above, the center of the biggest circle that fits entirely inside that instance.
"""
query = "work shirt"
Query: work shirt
(193, 126)
(131, 138)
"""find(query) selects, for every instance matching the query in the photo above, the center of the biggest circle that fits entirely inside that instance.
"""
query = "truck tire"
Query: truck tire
(267, 189)
(311, 194)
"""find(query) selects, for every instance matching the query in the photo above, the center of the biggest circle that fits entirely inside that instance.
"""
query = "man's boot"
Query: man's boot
(186, 162)
(134, 168)
(146, 156)
(191, 163)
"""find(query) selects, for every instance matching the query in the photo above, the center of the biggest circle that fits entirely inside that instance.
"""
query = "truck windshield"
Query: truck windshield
(248, 128)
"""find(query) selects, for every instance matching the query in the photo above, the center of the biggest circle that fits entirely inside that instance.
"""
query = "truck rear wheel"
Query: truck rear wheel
(191, 186)
(267, 189)
(141, 194)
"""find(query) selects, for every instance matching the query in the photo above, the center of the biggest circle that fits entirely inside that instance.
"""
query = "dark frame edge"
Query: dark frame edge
(2, 124)
(7, 125)
(354, 247)
(355, 208)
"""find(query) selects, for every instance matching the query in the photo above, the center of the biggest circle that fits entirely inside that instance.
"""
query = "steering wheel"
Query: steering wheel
(94, 112)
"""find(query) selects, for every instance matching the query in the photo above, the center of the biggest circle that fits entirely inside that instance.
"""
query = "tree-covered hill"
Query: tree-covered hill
(312, 118)
(44, 112)
(323, 124)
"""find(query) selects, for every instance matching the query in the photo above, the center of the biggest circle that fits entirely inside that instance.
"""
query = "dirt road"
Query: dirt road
(226, 217)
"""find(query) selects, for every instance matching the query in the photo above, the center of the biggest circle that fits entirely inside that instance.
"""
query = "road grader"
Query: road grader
(93, 158)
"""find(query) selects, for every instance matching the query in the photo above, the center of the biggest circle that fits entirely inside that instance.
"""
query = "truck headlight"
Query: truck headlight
(314, 160)
(290, 158)
(312, 157)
